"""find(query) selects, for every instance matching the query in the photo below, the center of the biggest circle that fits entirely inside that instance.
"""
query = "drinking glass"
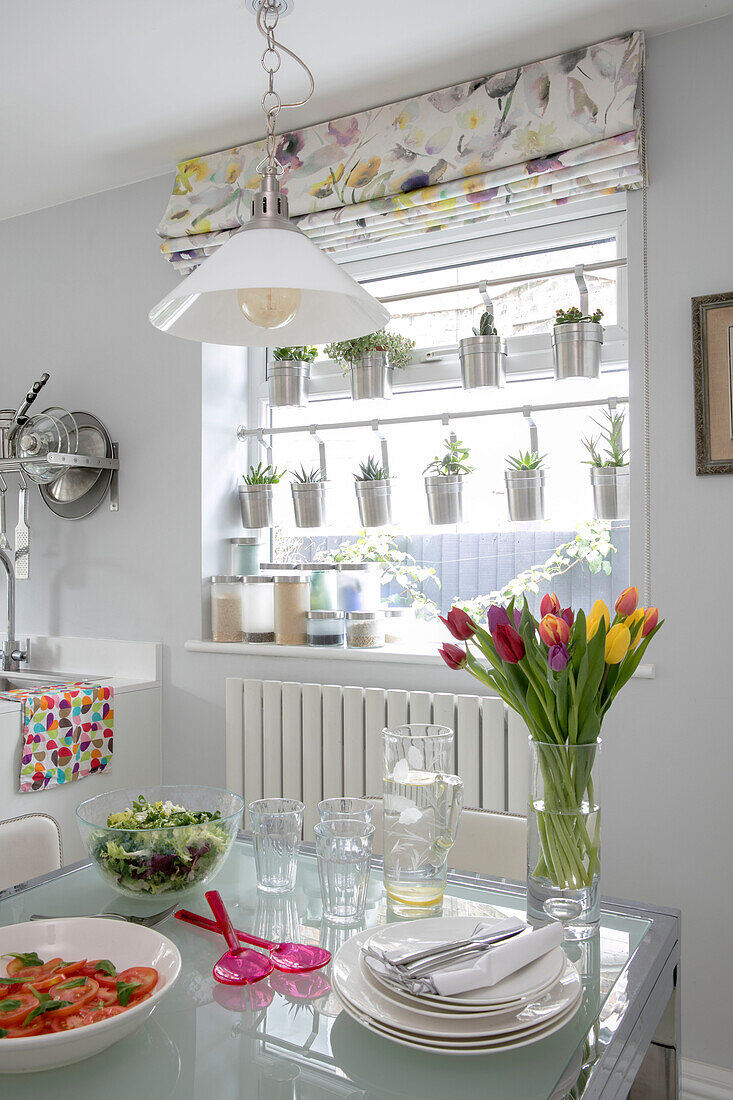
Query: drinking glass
(338, 809)
(344, 849)
(422, 809)
(277, 825)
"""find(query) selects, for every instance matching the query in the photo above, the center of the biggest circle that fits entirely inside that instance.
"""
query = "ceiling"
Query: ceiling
(95, 95)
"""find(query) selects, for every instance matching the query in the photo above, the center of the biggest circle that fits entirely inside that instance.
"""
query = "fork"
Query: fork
(147, 922)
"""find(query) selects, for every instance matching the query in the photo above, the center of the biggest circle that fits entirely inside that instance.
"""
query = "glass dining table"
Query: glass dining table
(287, 1037)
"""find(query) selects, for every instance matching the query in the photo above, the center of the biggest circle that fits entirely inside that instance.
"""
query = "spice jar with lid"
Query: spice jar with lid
(292, 602)
(258, 609)
(324, 586)
(359, 586)
(226, 609)
(364, 629)
(325, 628)
(244, 556)
(399, 625)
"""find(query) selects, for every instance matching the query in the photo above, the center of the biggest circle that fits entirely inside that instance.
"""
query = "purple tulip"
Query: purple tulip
(567, 615)
(517, 618)
(498, 617)
(558, 657)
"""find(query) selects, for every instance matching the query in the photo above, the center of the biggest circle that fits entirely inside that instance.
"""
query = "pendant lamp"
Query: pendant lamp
(269, 285)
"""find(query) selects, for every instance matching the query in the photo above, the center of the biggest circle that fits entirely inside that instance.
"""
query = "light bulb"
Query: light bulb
(269, 307)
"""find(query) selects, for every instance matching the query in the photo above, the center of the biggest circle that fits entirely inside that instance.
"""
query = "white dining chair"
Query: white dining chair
(29, 846)
(489, 842)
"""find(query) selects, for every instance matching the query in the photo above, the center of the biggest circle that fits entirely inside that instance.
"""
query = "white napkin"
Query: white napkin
(498, 962)
(396, 954)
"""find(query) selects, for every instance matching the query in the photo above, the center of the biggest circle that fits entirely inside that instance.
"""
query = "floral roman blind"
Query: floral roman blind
(538, 135)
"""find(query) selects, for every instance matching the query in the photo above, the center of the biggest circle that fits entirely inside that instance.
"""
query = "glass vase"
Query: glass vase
(564, 837)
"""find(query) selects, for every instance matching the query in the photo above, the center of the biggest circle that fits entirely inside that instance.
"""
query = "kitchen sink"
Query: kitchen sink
(30, 678)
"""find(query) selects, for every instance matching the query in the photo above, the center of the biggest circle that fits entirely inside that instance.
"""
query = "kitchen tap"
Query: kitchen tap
(10, 653)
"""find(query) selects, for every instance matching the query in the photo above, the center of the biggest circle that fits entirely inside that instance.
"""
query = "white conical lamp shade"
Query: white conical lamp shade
(205, 306)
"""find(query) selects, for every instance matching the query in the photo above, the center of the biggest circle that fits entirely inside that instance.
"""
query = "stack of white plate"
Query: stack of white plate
(523, 1008)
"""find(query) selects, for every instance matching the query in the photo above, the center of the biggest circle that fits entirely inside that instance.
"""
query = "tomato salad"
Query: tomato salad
(39, 998)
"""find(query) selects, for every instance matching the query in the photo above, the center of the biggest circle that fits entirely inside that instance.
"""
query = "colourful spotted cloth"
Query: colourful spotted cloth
(67, 733)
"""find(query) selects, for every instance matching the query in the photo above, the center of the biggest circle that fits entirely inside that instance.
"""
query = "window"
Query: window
(487, 551)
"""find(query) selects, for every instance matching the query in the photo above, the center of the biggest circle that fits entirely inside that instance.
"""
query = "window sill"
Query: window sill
(402, 654)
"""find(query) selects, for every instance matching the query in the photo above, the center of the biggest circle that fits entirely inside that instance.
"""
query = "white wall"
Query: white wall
(76, 283)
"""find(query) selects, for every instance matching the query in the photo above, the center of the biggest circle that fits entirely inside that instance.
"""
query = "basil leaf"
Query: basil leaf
(31, 959)
(73, 983)
(8, 981)
(125, 990)
(9, 1004)
(3, 1032)
(106, 967)
(47, 1006)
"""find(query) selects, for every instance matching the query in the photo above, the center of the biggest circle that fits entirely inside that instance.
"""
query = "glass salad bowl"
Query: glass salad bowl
(152, 842)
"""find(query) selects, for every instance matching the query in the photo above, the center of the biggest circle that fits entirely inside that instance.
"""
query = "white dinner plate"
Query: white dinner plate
(530, 981)
(354, 986)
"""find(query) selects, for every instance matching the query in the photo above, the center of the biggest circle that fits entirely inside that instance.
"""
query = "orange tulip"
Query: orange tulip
(627, 602)
(554, 631)
(651, 618)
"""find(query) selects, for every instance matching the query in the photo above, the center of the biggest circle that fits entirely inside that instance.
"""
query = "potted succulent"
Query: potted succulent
(576, 343)
(444, 486)
(309, 497)
(370, 361)
(374, 494)
(288, 376)
(482, 356)
(525, 486)
(609, 468)
(255, 496)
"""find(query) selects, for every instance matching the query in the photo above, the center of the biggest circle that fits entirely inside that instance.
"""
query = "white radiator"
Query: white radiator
(314, 741)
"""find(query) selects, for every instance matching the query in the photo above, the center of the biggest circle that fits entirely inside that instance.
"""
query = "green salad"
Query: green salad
(182, 847)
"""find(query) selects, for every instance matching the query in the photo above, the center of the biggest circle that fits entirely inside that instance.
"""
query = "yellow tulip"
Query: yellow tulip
(618, 641)
(633, 619)
(597, 612)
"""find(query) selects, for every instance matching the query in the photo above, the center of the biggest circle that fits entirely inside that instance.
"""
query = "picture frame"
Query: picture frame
(712, 358)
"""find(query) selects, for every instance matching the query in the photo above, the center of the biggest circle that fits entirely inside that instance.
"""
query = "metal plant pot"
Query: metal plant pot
(576, 350)
(255, 502)
(610, 491)
(375, 502)
(288, 382)
(483, 361)
(525, 491)
(445, 498)
(371, 377)
(309, 503)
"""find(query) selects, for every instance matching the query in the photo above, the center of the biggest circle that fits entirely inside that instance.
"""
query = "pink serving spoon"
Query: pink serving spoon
(238, 965)
(294, 958)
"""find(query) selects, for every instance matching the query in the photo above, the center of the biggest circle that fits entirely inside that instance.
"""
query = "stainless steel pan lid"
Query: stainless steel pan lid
(78, 492)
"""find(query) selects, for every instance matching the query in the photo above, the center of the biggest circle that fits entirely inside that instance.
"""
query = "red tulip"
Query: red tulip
(567, 616)
(453, 655)
(554, 631)
(549, 605)
(509, 644)
(459, 623)
(627, 602)
(651, 618)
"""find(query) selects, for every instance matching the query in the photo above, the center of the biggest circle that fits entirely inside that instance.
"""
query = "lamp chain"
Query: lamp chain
(268, 16)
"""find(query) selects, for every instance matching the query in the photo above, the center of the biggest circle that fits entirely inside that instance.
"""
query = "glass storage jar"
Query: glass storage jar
(226, 609)
(359, 586)
(324, 586)
(244, 556)
(399, 625)
(292, 602)
(325, 628)
(278, 568)
(258, 609)
(365, 629)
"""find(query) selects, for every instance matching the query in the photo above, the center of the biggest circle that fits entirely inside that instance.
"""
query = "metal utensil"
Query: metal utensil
(294, 958)
(238, 965)
(4, 542)
(22, 535)
(478, 940)
(21, 413)
(146, 922)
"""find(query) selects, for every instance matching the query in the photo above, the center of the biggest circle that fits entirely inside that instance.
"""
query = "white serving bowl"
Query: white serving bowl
(86, 938)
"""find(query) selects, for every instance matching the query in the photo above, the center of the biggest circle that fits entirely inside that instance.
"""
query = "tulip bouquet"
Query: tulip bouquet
(561, 674)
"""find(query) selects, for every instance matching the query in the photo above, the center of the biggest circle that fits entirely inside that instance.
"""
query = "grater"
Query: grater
(22, 545)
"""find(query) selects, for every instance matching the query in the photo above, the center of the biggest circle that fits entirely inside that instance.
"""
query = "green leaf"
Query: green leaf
(31, 959)
(73, 983)
(9, 1004)
(3, 1032)
(106, 967)
(8, 981)
(125, 990)
(48, 1006)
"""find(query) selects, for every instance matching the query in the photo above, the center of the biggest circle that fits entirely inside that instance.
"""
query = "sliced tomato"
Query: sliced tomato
(33, 974)
(106, 995)
(75, 969)
(35, 1027)
(47, 983)
(14, 1016)
(101, 976)
(146, 976)
(83, 1016)
(77, 996)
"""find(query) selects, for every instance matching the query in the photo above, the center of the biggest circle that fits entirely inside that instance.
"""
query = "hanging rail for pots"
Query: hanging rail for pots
(309, 497)
(445, 491)
(576, 348)
(483, 358)
(375, 497)
(525, 489)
